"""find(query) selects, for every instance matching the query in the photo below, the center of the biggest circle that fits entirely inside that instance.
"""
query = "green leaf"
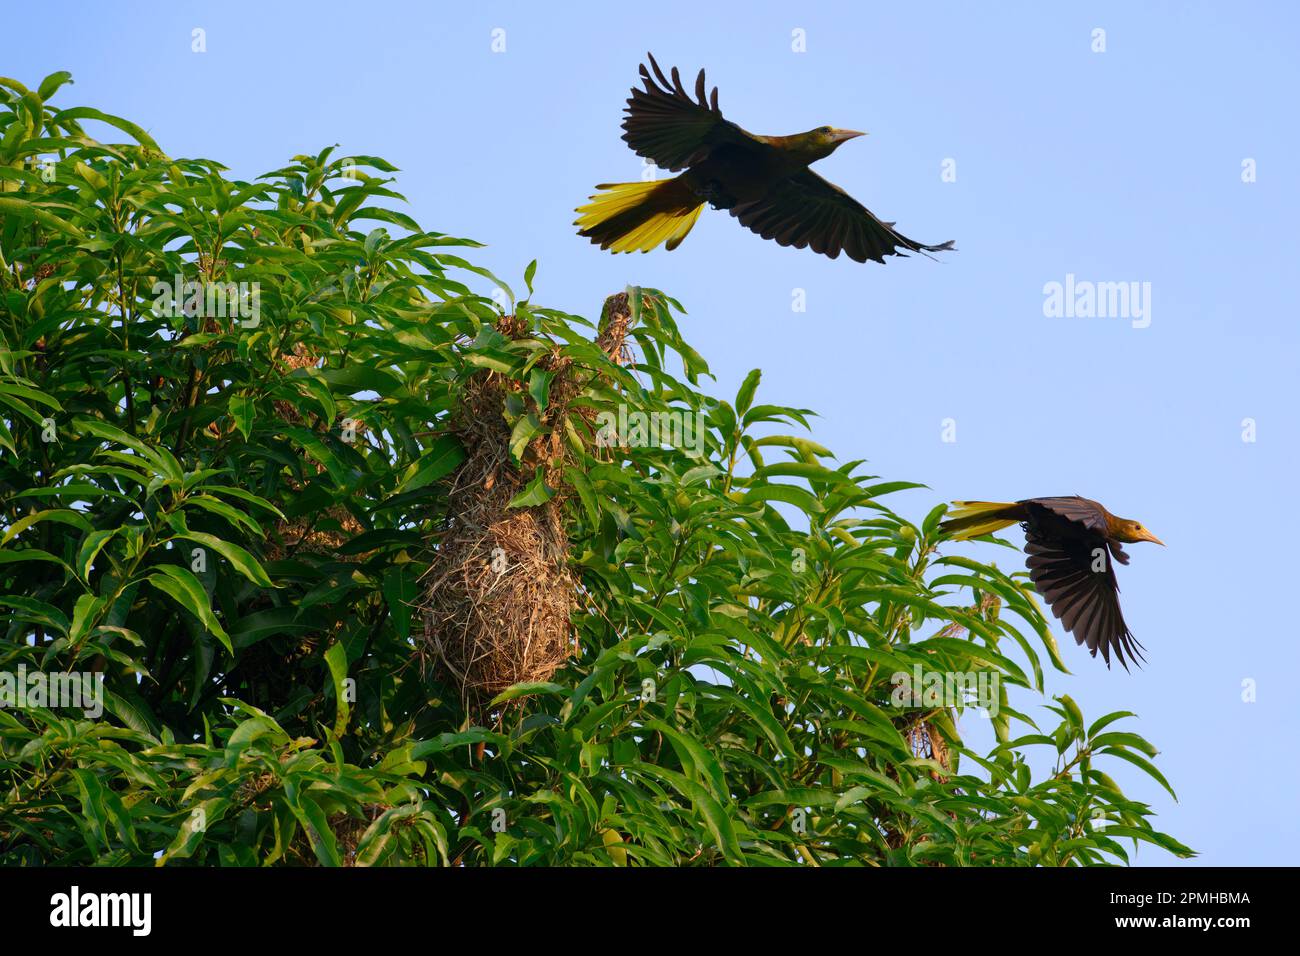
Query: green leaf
(51, 84)
(1103, 722)
(745, 397)
(61, 515)
(184, 588)
(29, 554)
(791, 495)
(536, 493)
(539, 387)
(1143, 764)
(218, 507)
(243, 410)
(25, 209)
(586, 494)
(336, 658)
(239, 559)
(529, 689)
(84, 616)
(800, 469)
(523, 432)
(86, 112)
(90, 548)
(443, 457)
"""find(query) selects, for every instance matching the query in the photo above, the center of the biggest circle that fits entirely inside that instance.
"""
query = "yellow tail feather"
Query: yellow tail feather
(631, 217)
(963, 521)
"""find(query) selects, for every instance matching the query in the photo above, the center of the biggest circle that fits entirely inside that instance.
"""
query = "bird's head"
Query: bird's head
(824, 140)
(1130, 532)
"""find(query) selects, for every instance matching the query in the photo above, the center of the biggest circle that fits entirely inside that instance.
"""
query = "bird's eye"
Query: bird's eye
(825, 129)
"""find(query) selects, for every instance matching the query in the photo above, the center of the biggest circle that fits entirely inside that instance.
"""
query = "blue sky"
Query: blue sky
(1116, 166)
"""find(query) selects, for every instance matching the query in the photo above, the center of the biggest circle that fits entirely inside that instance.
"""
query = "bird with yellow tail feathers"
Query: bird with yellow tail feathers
(1072, 543)
(763, 181)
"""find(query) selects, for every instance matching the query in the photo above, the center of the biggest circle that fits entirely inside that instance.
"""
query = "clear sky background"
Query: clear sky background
(1124, 165)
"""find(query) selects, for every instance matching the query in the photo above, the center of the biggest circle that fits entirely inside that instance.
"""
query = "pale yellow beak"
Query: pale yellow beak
(841, 135)
(1145, 535)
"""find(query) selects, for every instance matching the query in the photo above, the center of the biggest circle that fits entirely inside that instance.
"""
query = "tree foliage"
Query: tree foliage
(226, 518)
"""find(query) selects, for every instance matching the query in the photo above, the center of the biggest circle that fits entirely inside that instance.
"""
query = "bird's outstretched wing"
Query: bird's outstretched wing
(665, 125)
(1085, 600)
(806, 210)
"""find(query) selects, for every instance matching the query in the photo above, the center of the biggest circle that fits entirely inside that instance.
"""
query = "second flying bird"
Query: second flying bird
(764, 181)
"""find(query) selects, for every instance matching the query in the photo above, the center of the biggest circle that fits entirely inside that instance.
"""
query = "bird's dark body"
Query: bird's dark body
(1042, 519)
(734, 174)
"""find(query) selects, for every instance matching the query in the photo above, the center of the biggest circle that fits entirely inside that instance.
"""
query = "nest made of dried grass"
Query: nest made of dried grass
(499, 594)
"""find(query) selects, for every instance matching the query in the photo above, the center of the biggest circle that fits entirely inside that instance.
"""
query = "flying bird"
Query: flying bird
(764, 181)
(1072, 544)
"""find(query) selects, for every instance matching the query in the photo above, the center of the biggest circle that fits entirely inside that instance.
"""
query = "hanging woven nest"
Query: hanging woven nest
(499, 594)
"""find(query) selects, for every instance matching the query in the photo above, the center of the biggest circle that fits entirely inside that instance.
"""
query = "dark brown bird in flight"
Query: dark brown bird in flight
(764, 181)
(1072, 543)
